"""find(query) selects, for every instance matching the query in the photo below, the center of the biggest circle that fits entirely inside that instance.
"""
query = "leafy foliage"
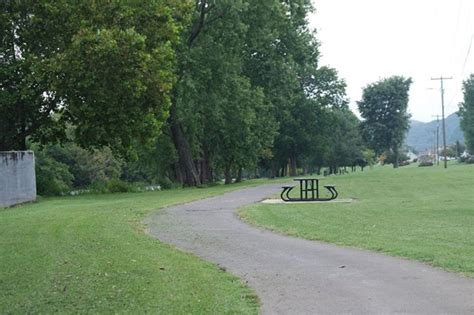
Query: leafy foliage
(384, 107)
(59, 169)
(282, 58)
(226, 120)
(369, 156)
(52, 176)
(105, 67)
(345, 146)
(183, 91)
(466, 111)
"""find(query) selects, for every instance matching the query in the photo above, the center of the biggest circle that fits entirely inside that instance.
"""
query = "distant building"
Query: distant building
(411, 156)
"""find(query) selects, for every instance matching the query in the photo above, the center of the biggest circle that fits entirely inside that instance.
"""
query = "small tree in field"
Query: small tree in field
(369, 156)
(384, 107)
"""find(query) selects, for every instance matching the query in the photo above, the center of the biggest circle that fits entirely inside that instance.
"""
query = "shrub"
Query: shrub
(425, 163)
(404, 163)
(98, 186)
(93, 166)
(165, 183)
(390, 158)
(52, 177)
(115, 185)
(466, 158)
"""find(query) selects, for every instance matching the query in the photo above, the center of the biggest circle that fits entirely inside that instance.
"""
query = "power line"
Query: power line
(450, 103)
(455, 37)
(467, 56)
(441, 79)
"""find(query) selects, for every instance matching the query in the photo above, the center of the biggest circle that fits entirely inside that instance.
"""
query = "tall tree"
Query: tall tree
(281, 56)
(220, 117)
(186, 169)
(384, 107)
(466, 111)
(25, 106)
(105, 67)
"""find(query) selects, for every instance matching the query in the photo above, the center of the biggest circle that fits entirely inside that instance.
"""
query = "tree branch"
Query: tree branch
(199, 25)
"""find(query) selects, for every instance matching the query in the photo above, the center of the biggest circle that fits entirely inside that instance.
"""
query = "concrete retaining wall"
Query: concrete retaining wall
(17, 177)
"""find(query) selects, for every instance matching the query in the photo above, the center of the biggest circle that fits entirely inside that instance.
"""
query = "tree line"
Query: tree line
(187, 92)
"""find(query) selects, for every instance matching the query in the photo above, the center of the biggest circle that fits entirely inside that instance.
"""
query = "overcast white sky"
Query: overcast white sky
(366, 40)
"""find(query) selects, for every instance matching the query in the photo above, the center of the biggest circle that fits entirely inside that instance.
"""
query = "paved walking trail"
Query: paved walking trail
(296, 276)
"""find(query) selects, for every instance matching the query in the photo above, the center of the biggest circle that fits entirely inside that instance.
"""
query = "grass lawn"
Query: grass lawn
(89, 254)
(422, 213)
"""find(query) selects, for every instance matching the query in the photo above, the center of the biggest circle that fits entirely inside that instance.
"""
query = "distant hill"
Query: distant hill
(420, 135)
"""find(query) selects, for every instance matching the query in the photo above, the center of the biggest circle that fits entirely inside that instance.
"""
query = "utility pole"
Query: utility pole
(442, 116)
(437, 139)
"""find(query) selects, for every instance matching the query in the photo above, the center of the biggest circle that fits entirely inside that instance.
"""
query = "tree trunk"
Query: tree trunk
(292, 162)
(22, 142)
(239, 175)
(177, 172)
(274, 169)
(189, 172)
(227, 175)
(23, 145)
(395, 153)
(206, 172)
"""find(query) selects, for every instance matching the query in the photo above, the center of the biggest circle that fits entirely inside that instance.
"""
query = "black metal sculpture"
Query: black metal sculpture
(309, 191)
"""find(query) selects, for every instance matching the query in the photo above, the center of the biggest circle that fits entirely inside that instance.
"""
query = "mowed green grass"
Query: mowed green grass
(419, 213)
(89, 254)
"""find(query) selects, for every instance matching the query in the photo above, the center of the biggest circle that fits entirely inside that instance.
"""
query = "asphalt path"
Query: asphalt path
(297, 276)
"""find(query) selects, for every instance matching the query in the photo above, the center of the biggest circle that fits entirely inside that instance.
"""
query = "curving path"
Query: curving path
(296, 276)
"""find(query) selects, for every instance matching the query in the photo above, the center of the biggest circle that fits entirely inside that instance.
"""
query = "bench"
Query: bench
(332, 190)
(309, 190)
(286, 191)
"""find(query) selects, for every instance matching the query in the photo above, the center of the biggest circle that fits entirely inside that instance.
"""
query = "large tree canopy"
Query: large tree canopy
(226, 119)
(226, 86)
(466, 111)
(384, 107)
(106, 68)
